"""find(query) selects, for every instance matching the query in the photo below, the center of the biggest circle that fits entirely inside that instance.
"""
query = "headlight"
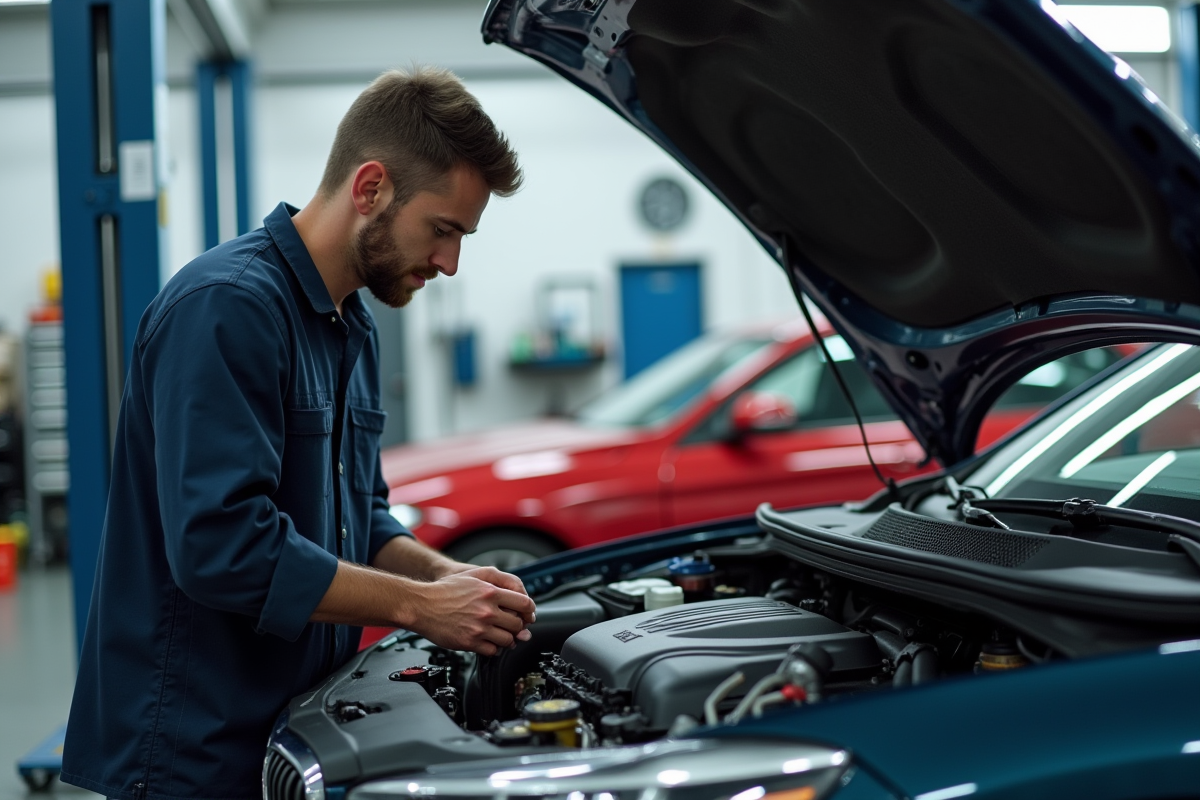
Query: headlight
(704, 769)
(408, 516)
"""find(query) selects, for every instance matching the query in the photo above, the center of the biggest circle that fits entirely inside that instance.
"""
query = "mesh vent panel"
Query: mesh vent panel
(983, 545)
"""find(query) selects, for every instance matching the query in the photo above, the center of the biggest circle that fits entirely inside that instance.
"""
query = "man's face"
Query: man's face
(396, 252)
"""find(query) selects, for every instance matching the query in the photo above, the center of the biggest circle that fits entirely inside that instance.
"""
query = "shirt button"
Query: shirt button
(333, 319)
(343, 533)
(341, 469)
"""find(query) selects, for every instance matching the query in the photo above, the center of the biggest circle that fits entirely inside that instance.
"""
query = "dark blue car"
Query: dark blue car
(969, 191)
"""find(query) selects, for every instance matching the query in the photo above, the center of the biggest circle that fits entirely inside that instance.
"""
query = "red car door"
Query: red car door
(712, 473)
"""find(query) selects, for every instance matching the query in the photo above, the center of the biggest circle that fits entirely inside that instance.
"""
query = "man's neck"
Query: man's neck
(326, 235)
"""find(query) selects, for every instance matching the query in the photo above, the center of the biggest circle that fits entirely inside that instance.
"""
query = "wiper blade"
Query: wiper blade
(1183, 534)
(1083, 513)
(969, 513)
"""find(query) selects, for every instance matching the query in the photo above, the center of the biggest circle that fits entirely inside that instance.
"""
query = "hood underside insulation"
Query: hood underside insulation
(907, 150)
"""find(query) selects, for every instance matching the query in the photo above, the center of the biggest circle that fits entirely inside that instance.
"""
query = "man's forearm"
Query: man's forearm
(403, 555)
(361, 595)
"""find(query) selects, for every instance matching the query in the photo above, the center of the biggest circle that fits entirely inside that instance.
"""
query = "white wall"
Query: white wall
(576, 216)
(28, 204)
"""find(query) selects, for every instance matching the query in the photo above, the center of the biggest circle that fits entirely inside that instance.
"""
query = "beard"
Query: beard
(381, 264)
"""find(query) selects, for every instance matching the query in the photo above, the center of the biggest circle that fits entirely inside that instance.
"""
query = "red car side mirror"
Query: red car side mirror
(761, 412)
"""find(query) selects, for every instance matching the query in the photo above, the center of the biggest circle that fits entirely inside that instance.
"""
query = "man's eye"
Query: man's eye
(438, 231)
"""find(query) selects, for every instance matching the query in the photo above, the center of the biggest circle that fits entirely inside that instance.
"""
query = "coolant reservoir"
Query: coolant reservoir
(663, 597)
(638, 587)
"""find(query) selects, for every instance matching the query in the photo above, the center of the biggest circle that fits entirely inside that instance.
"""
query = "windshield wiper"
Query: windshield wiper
(1082, 514)
(968, 512)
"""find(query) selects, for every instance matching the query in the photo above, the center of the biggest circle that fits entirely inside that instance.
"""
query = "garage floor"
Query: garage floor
(37, 672)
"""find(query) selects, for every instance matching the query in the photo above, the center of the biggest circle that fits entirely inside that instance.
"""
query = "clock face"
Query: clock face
(663, 204)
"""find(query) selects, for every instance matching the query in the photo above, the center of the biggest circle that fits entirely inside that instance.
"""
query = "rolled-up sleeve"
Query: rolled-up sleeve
(216, 368)
(384, 527)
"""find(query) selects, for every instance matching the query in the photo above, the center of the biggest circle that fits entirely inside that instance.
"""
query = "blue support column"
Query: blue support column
(240, 78)
(108, 73)
(1187, 47)
(206, 94)
(220, 133)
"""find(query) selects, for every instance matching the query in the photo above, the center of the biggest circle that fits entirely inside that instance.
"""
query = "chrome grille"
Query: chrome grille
(281, 779)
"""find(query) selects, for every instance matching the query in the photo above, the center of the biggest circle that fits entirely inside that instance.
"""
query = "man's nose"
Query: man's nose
(446, 260)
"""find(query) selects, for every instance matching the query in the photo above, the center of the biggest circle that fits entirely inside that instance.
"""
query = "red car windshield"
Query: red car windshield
(671, 385)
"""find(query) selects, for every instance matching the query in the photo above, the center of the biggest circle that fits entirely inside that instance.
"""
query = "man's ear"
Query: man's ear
(370, 188)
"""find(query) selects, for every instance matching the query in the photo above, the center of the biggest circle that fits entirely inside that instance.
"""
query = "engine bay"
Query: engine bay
(718, 634)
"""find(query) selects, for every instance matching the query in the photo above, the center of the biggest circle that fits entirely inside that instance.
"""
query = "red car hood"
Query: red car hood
(408, 463)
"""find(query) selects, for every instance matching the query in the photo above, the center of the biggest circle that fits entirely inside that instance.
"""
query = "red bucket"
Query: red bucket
(8, 564)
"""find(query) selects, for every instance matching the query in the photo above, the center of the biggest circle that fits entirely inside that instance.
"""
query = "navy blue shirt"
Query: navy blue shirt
(246, 464)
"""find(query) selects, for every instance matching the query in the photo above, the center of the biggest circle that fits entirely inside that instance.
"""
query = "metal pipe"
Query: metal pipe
(924, 666)
(106, 157)
(110, 277)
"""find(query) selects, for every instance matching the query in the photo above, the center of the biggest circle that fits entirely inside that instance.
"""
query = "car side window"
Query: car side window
(809, 384)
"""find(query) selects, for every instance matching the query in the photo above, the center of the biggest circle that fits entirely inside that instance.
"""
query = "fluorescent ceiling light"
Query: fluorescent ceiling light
(1123, 29)
(24, 2)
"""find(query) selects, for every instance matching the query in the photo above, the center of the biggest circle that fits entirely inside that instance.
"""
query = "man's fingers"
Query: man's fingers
(518, 603)
(499, 637)
(508, 620)
(506, 581)
(497, 578)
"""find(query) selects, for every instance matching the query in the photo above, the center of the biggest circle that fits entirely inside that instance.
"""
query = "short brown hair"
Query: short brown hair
(420, 124)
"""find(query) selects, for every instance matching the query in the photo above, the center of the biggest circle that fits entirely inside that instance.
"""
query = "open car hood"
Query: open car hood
(966, 188)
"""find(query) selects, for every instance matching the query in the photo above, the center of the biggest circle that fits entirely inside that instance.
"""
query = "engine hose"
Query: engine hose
(767, 684)
(903, 676)
(767, 700)
(924, 665)
(889, 644)
(718, 694)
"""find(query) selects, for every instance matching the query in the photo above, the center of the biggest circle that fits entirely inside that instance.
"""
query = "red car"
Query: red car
(730, 421)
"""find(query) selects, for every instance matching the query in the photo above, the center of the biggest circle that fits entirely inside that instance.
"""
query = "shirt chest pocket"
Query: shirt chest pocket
(366, 426)
(308, 452)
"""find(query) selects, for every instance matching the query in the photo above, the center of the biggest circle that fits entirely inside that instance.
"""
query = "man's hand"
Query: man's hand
(480, 609)
(467, 608)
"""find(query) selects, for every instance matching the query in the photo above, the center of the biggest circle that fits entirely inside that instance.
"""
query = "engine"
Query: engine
(669, 661)
(608, 666)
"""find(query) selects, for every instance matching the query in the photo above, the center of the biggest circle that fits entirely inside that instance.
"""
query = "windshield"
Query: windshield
(670, 385)
(1132, 441)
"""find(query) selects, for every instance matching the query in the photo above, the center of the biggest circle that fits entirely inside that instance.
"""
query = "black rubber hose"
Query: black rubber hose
(904, 673)
(924, 666)
(889, 644)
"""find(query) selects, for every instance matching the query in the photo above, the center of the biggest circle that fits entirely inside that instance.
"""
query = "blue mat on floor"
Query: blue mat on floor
(43, 763)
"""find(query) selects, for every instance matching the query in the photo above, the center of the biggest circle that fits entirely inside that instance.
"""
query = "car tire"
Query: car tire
(502, 549)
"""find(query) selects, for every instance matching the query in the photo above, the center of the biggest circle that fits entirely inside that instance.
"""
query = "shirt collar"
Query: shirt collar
(279, 224)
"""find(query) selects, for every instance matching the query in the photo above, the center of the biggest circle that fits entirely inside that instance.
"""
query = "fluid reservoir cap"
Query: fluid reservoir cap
(664, 597)
(414, 674)
(514, 732)
(690, 565)
(638, 587)
(552, 710)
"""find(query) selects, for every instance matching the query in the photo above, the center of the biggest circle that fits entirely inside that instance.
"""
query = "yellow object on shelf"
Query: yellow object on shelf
(51, 285)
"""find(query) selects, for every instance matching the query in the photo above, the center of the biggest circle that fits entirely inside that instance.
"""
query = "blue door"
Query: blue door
(660, 311)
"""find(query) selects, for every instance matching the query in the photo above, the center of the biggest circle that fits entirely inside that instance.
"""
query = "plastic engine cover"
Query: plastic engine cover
(671, 659)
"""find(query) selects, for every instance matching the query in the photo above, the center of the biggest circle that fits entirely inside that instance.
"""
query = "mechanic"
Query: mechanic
(246, 497)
